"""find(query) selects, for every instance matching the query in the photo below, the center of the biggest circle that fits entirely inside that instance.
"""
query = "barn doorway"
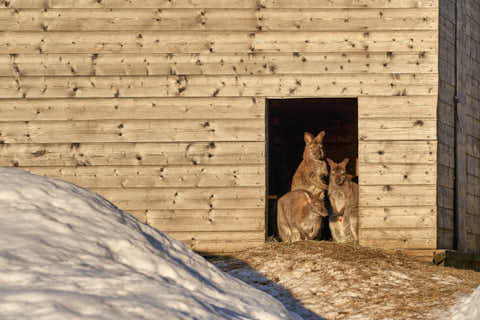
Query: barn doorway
(287, 120)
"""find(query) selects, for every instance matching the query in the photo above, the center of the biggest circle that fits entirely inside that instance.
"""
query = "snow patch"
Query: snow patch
(67, 253)
(468, 308)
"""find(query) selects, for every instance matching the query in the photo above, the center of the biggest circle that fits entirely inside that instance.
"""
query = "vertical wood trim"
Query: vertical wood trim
(437, 67)
(267, 163)
(460, 130)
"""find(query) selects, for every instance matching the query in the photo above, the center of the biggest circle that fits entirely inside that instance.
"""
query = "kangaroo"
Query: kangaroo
(312, 171)
(343, 197)
(299, 216)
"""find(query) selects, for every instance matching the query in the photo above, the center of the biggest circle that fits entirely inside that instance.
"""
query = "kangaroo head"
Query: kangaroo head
(338, 172)
(314, 146)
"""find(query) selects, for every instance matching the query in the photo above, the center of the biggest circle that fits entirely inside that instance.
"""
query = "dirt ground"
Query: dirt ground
(326, 280)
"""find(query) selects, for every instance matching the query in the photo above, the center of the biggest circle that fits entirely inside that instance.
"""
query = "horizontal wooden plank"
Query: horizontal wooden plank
(375, 222)
(406, 210)
(231, 236)
(138, 108)
(421, 107)
(340, 41)
(173, 214)
(218, 4)
(397, 152)
(140, 215)
(350, 3)
(217, 19)
(397, 174)
(219, 64)
(216, 247)
(126, 19)
(347, 19)
(132, 154)
(133, 4)
(397, 233)
(157, 177)
(132, 131)
(397, 129)
(185, 198)
(322, 85)
(142, 42)
(210, 221)
(398, 195)
(405, 243)
(398, 222)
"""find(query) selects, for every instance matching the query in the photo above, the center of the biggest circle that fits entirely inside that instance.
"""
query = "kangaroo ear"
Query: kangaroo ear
(344, 162)
(320, 136)
(308, 137)
(331, 163)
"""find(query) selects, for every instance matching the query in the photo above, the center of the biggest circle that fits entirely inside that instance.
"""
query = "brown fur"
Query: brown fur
(343, 196)
(299, 216)
(312, 171)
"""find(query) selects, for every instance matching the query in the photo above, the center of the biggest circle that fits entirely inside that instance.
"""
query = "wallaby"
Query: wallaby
(343, 197)
(299, 216)
(312, 172)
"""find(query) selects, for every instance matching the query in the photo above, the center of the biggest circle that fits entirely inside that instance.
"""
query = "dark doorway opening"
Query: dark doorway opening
(287, 120)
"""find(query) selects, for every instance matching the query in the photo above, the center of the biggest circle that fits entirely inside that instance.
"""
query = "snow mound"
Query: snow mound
(468, 308)
(66, 253)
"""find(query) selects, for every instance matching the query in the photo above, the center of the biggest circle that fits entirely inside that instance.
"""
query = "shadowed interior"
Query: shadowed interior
(287, 120)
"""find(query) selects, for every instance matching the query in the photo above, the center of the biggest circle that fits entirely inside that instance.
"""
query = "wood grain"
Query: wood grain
(337, 85)
(157, 177)
(397, 174)
(84, 64)
(397, 195)
(397, 152)
(404, 243)
(132, 154)
(128, 108)
(217, 19)
(142, 42)
(185, 198)
(132, 131)
(159, 105)
(420, 107)
(87, 4)
(210, 221)
(397, 129)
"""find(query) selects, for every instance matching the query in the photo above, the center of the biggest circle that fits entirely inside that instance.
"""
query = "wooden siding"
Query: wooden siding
(468, 127)
(398, 171)
(459, 126)
(160, 105)
(446, 125)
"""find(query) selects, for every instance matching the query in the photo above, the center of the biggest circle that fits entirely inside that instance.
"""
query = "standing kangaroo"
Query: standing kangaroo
(299, 216)
(312, 171)
(343, 196)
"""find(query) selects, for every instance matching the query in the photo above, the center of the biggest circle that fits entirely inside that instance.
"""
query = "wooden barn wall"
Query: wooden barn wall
(159, 105)
(446, 124)
(468, 126)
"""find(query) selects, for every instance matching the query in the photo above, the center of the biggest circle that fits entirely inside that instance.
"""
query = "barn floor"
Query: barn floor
(325, 280)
